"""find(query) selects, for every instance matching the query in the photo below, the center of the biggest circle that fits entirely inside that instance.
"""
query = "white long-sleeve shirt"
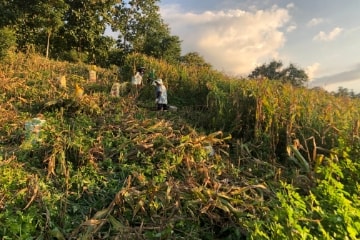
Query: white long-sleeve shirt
(161, 94)
(137, 79)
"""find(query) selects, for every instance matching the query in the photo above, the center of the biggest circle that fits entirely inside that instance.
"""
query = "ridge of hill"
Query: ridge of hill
(111, 167)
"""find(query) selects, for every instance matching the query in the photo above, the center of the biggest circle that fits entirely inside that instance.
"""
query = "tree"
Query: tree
(32, 21)
(161, 45)
(275, 71)
(85, 24)
(295, 76)
(194, 59)
(51, 18)
(76, 28)
(18, 15)
(345, 92)
(72, 25)
(271, 71)
(103, 50)
(8, 13)
(142, 30)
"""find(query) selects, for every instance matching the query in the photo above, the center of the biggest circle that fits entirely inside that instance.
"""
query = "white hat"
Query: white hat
(159, 81)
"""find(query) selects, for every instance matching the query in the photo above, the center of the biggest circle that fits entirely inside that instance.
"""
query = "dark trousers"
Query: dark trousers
(161, 106)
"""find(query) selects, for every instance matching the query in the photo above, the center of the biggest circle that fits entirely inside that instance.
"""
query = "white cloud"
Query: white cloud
(322, 36)
(311, 70)
(315, 21)
(290, 28)
(235, 41)
(290, 5)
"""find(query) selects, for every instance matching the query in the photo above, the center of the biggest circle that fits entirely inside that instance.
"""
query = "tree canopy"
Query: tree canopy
(275, 71)
(194, 59)
(74, 30)
(142, 30)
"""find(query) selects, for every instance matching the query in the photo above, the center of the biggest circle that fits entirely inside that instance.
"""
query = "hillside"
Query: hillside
(285, 162)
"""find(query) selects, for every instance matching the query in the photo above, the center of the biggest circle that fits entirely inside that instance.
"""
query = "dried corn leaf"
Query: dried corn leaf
(101, 214)
(238, 191)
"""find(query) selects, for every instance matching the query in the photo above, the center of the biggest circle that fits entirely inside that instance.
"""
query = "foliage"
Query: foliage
(49, 19)
(111, 167)
(194, 59)
(7, 42)
(33, 23)
(75, 30)
(143, 31)
(86, 22)
(345, 92)
(274, 71)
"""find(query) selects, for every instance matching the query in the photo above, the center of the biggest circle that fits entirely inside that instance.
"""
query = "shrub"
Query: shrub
(7, 41)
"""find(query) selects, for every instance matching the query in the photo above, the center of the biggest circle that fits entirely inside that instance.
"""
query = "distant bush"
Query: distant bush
(73, 56)
(7, 41)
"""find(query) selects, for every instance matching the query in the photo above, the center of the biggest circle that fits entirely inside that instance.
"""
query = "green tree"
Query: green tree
(271, 71)
(19, 15)
(85, 24)
(8, 13)
(33, 22)
(104, 47)
(51, 18)
(275, 71)
(293, 75)
(345, 92)
(142, 30)
(194, 59)
(160, 44)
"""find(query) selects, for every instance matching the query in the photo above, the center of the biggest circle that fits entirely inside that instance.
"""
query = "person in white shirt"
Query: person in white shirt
(161, 95)
(137, 79)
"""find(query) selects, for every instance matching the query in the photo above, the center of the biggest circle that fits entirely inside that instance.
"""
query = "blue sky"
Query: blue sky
(320, 36)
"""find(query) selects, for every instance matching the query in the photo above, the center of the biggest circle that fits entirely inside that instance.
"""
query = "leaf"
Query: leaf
(92, 222)
(117, 225)
(303, 163)
(239, 190)
(57, 234)
(139, 205)
(219, 204)
(101, 214)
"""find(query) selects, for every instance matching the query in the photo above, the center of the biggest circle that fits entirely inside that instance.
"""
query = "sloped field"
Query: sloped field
(104, 167)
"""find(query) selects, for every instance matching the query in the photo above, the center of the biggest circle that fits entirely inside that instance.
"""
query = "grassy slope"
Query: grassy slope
(113, 167)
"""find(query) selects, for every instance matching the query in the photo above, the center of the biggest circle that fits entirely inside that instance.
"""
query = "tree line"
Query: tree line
(74, 30)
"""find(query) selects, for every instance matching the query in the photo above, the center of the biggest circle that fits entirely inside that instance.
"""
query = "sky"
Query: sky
(321, 37)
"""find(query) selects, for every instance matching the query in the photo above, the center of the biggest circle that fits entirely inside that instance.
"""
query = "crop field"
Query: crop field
(79, 163)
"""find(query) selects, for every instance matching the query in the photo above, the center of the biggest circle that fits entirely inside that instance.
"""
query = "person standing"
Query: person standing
(137, 80)
(161, 95)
